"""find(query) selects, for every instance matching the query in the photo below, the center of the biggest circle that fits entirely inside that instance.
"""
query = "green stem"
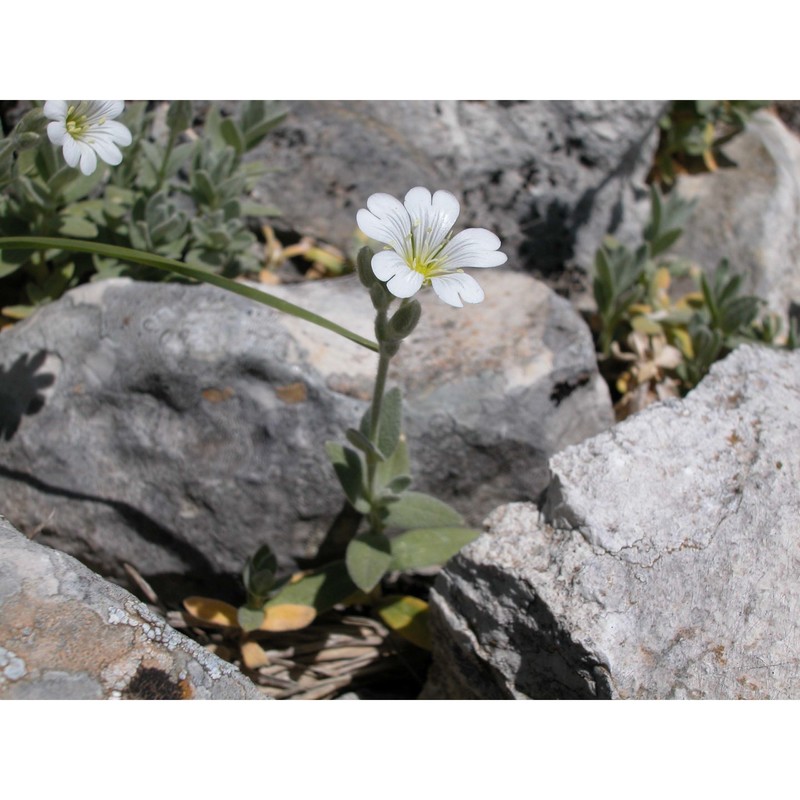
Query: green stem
(184, 270)
(375, 417)
(173, 136)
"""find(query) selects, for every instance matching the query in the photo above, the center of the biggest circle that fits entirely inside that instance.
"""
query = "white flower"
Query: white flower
(87, 130)
(421, 250)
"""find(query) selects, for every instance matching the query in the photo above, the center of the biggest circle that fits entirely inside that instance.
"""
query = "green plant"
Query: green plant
(387, 527)
(692, 133)
(391, 528)
(181, 192)
(652, 344)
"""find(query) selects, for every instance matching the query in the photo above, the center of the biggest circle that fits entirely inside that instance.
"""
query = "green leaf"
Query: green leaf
(418, 510)
(232, 135)
(82, 186)
(249, 619)
(349, 471)
(203, 190)
(390, 422)
(368, 557)
(428, 547)
(396, 466)
(321, 590)
(179, 115)
(357, 439)
(77, 226)
(179, 268)
(399, 484)
(178, 157)
(665, 241)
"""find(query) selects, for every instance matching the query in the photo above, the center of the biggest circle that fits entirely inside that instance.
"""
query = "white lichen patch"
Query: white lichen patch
(13, 667)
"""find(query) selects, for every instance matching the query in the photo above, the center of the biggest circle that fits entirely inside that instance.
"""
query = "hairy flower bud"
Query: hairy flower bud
(405, 319)
(364, 267)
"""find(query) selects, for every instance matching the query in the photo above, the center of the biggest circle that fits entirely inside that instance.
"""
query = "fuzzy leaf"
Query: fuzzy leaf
(321, 590)
(391, 421)
(367, 558)
(428, 547)
(407, 616)
(395, 467)
(357, 439)
(249, 619)
(348, 469)
(418, 510)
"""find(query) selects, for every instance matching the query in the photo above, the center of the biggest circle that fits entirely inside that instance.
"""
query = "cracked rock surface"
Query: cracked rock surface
(65, 633)
(664, 564)
(179, 428)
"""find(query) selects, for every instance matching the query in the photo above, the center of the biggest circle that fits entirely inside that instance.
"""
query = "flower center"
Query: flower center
(425, 251)
(78, 124)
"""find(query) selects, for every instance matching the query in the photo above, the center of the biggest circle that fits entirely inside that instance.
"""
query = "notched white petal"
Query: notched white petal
(382, 205)
(56, 132)
(55, 109)
(457, 287)
(72, 152)
(418, 203)
(387, 264)
(88, 158)
(405, 283)
(107, 150)
(117, 131)
(474, 247)
(445, 204)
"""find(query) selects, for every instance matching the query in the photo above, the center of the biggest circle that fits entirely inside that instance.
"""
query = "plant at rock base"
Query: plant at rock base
(388, 527)
(653, 345)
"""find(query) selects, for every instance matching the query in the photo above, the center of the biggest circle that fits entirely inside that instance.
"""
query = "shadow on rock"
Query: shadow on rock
(21, 391)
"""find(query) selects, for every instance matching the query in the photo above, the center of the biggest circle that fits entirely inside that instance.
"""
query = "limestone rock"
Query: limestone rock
(179, 428)
(551, 178)
(748, 214)
(65, 633)
(664, 564)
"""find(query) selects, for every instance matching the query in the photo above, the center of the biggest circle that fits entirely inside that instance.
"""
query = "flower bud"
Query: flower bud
(405, 319)
(25, 141)
(179, 115)
(364, 267)
(380, 296)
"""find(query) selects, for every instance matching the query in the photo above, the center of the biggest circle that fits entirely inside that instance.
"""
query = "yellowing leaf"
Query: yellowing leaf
(213, 612)
(254, 655)
(646, 325)
(684, 341)
(407, 616)
(287, 617)
(662, 278)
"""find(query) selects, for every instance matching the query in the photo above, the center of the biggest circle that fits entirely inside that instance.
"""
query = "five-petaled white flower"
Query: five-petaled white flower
(86, 130)
(421, 250)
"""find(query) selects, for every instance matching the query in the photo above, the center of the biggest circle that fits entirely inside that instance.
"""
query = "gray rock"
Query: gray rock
(65, 633)
(748, 214)
(179, 428)
(664, 564)
(551, 178)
